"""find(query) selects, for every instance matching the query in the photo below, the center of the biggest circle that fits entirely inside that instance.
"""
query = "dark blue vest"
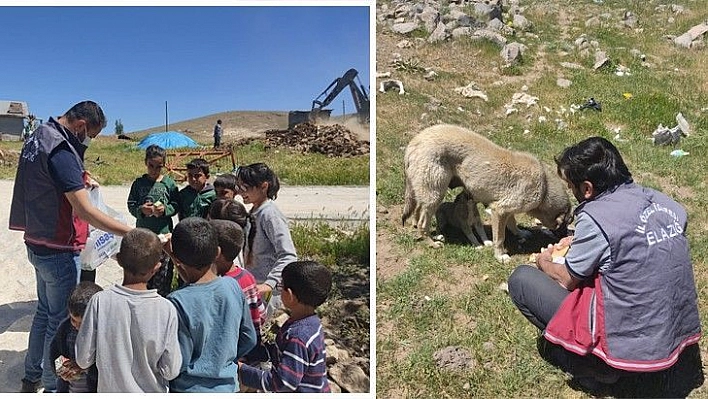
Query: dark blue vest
(38, 207)
(648, 290)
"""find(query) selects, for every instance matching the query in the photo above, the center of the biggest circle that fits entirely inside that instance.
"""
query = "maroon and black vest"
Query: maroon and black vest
(39, 207)
(641, 312)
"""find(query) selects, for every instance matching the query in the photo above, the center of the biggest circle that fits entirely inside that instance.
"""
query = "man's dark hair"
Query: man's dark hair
(309, 281)
(80, 295)
(225, 209)
(195, 242)
(255, 174)
(199, 163)
(230, 236)
(153, 151)
(218, 121)
(88, 111)
(227, 181)
(595, 160)
(140, 250)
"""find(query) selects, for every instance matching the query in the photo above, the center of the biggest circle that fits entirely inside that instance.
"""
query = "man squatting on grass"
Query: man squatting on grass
(51, 205)
(624, 298)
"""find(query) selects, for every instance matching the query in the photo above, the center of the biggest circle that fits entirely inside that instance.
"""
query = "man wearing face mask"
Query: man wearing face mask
(622, 302)
(51, 205)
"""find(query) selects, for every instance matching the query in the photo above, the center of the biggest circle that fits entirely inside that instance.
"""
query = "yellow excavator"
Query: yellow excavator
(319, 112)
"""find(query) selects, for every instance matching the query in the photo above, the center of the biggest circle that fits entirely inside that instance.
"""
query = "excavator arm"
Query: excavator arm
(359, 95)
(361, 99)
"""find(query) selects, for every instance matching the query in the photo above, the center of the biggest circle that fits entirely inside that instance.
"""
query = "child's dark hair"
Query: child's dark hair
(230, 237)
(140, 251)
(595, 160)
(225, 181)
(195, 242)
(255, 174)
(153, 151)
(309, 281)
(199, 163)
(225, 209)
(80, 295)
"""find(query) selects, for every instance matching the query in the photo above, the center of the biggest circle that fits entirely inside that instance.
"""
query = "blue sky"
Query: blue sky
(201, 60)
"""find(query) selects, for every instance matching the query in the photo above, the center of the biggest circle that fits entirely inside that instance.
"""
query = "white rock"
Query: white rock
(404, 44)
(471, 91)
(571, 65)
(564, 83)
(405, 27)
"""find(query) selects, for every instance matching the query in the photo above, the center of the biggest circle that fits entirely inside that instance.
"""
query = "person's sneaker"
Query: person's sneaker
(589, 385)
(585, 369)
(30, 387)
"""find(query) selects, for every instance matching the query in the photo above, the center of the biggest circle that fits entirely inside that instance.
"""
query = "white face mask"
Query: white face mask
(87, 139)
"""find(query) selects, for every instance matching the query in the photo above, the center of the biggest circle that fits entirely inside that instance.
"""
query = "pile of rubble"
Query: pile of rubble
(331, 140)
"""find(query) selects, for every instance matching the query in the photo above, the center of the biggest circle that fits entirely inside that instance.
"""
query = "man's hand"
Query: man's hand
(544, 256)
(90, 182)
(166, 240)
(556, 271)
(564, 242)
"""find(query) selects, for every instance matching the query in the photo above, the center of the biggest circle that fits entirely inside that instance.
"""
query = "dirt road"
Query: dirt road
(18, 299)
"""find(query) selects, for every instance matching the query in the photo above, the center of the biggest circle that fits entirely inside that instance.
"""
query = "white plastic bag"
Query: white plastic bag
(100, 245)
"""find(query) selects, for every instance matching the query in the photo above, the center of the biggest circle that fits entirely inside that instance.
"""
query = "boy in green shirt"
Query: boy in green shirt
(153, 201)
(196, 198)
(153, 196)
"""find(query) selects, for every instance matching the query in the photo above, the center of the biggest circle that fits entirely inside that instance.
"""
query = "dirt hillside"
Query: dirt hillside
(236, 124)
(240, 125)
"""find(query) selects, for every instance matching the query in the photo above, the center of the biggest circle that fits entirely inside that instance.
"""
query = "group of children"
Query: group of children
(194, 296)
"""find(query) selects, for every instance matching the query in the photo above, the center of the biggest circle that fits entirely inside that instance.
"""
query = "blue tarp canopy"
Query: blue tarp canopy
(167, 140)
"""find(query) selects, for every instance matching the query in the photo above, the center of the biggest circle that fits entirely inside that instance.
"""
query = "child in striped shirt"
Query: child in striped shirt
(300, 364)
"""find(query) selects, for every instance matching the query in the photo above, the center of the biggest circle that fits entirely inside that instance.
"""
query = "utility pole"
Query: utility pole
(166, 124)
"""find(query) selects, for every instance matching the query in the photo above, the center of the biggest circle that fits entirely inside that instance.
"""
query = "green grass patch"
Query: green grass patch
(332, 244)
(113, 162)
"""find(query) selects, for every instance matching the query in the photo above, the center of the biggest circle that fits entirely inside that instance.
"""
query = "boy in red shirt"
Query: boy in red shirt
(230, 241)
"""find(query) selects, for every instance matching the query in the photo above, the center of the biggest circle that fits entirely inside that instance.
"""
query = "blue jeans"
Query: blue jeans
(56, 275)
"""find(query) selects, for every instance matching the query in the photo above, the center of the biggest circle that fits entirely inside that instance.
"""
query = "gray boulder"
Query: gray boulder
(350, 377)
(520, 22)
(405, 27)
(430, 18)
(489, 35)
(439, 34)
(462, 31)
(512, 52)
